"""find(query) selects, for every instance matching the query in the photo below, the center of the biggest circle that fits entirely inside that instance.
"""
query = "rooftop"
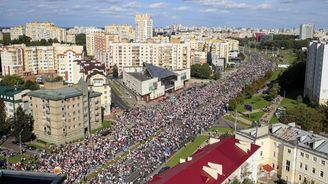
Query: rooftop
(160, 73)
(225, 154)
(140, 76)
(56, 94)
(9, 90)
(27, 177)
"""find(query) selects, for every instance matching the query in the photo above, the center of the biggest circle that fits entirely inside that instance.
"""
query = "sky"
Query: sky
(214, 13)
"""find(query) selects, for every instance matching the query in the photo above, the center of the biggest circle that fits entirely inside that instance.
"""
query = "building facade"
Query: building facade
(63, 114)
(316, 84)
(292, 153)
(16, 31)
(125, 32)
(45, 30)
(306, 31)
(90, 40)
(144, 27)
(12, 59)
(166, 55)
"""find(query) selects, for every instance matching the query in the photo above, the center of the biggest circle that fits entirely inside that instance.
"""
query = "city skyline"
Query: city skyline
(234, 13)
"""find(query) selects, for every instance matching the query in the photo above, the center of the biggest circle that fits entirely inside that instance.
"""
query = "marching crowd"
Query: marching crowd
(156, 132)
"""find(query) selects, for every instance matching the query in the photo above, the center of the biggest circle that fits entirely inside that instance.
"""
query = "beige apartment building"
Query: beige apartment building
(16, 31)
(101, 44)
(45, 30)
(12, 59)
(63, 114)
(167, 55)
(144, 27)
(125, 32)
(220, 49)
(21, 60)
(70, 38)
(90, 40)
(291, 153)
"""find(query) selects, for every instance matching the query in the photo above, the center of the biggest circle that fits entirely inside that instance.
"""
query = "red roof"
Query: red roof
(225, 152)
(267, 168)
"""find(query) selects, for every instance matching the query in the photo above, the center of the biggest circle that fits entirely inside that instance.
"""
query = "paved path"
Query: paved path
(273, 108)
(254, 111)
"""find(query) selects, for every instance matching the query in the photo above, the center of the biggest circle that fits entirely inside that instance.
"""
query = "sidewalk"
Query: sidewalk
(272, 109)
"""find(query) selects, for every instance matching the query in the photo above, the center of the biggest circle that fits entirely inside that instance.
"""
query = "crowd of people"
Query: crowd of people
(156, 132)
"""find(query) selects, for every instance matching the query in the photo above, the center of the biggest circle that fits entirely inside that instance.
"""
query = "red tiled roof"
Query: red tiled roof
(267, 168)
(225, 152)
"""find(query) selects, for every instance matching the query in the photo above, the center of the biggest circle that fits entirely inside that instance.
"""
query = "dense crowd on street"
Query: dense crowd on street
(154, 132)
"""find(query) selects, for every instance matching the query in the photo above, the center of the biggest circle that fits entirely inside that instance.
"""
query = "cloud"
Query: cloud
(182, 8)
(158, 5)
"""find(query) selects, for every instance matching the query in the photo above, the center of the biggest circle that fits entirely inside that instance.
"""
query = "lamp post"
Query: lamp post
(20, 141)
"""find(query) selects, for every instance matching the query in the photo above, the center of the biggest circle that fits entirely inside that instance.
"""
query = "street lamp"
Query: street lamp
(20, 141)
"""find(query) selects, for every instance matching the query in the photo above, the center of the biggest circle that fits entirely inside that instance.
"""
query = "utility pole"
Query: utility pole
(20, 141)
(235, 120)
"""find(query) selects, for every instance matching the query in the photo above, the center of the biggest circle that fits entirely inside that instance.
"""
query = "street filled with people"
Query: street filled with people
(150, 135)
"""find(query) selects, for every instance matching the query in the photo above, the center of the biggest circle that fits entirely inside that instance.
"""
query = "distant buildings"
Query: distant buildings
(44, 30)
(316, 76)
(306, 31)
(151, 82)
(13, 97)
(219, 162)
(289, 152)
(124, 32)
(63, 114)
(16, 31)
(144, 27)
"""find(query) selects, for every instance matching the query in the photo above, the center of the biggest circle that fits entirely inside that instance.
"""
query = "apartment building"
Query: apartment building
(45, 30)
(220, 49)
(306, 31)
(70, 38)
(124, 32)
(94, 73)
(12, 59)
(198, 57)
(90, 40)
(21, 60)
(64, 57)
(144, 27)
(16, 31)
(101, 44)
(166, 55)
(63, 114)
(316, 75)
(13, 97)
(289, 152)
(38, 59)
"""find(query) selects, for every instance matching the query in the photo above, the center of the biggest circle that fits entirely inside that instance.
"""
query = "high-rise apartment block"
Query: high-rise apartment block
(16, 31)
(45, 30)
(90, 40)
(144, 27)
(166, 55)
(125, 32)
(306, 31)
(316, 76)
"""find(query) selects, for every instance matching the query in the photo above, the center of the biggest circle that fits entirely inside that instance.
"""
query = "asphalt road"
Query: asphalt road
(118, 102)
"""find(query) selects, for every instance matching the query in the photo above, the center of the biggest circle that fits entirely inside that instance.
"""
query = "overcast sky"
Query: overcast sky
(237, 13)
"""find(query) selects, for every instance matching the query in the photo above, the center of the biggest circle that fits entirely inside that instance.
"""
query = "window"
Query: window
(321, 174)
(299, 177)
(301, 165)
(287, 165)
(314, 159)
(289, 151)
(323, 162)
(305, 167)
(274, 154)
(307, 156)
(302, 154)
(313, 170)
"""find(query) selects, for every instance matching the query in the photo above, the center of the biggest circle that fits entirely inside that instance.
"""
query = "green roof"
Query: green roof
(56, 94)
(94, 94)
(9, 90)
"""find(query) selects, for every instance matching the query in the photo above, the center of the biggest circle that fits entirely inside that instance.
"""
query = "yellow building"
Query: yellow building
(293, 154)
(45, 30)
(63, 114)
(16, 31)
(144, 27)
(39, 59)
(124, 32)
(12, 59)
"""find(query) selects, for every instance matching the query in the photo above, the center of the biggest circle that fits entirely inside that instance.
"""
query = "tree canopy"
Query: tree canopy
(21, 122)
(201, 71)
(14, 80)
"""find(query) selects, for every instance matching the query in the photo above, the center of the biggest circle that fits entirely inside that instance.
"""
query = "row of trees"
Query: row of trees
(15, 80)
(204, 71)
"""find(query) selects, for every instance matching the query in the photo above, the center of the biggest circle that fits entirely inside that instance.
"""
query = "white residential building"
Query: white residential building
(12, 59)
(16, 31)
(316, 76)
(125, 32)
(90, 40)
(45, 30)
(306, 31)
(144, 27)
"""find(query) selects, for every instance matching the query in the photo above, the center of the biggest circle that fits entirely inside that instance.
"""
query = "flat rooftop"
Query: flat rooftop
(140, 76)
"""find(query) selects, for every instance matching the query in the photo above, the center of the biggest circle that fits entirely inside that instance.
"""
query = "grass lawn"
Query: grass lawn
(254, 116)
(17, 158)
(258, 102)
(275, 75)
(274, 120)
(288, 55)
(104, 124)
(232, 119)
(290, 100)
(116, 90)
(188, 150)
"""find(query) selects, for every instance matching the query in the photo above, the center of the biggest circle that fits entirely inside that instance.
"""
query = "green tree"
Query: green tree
(232, 104)
(235, 180)
(216, 76)
(115, 72)
(12, 80)
(201, 71)
(307, 118)
(21, 122)
(80, 39)
(247, 181)
(6, 39)
(273, 93)
(31, 85)
(4, 127)
(249, 91)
